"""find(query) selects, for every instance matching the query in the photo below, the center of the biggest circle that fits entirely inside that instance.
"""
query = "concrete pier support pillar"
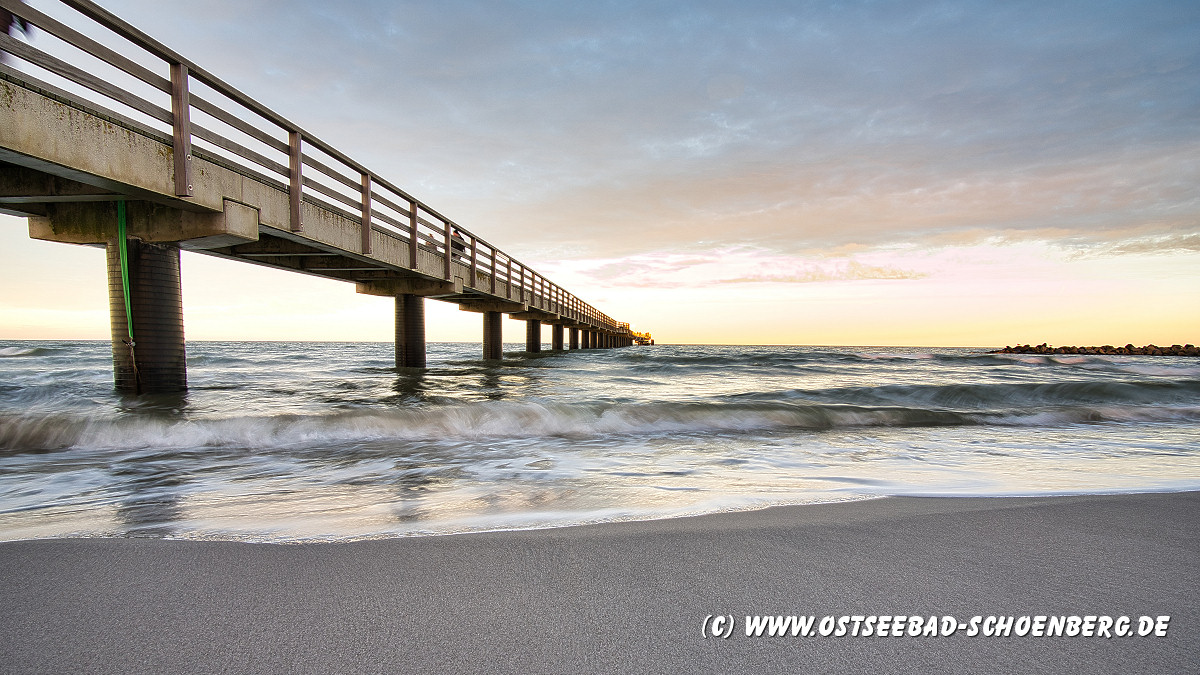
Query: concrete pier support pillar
(573, 339)
(587, 339)
(493, 337)
(156, 362)
(533, 335)
(556, 337)
(410, 331)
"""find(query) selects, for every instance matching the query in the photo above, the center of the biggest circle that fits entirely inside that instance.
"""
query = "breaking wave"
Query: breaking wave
(16, 352)
(506, 420)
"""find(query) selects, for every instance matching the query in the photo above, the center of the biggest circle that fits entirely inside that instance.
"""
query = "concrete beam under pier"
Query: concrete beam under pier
(533, 313)
(413, 286)
(23, 191)
(484, 306)
(96, 223)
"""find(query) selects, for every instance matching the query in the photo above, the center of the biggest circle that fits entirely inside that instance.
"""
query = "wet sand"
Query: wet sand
(625, 597)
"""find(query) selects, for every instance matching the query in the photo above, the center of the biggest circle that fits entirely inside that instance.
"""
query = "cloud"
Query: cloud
(1154, 245)
(739, 265)
(618, 128)
(850, 270)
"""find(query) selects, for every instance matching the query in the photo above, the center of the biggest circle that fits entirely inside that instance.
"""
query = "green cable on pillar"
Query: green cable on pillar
(124, 249)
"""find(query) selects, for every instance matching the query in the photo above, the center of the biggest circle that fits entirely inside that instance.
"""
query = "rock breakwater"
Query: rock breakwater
(1107, 350)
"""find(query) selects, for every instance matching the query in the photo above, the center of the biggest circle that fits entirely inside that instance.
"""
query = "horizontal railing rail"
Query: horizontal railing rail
(159, 92)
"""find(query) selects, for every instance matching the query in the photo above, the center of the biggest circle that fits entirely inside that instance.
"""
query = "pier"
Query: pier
(113, 139)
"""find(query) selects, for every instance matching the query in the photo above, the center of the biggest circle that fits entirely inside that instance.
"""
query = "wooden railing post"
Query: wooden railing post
(495, 272)
(412, 233)
(366, 213)
(446, 229)
(295, 162)
(474, 261)
(181, 129)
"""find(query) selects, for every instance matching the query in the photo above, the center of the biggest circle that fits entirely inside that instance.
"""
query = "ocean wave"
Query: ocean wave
(804, 359)
(16, 352)
(508, 420)
(992, 395)
(1068, 415)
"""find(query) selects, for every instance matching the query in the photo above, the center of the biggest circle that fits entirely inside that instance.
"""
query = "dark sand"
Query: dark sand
(625, 597)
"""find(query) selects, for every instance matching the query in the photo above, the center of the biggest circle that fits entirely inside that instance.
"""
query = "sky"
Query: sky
(828, 173)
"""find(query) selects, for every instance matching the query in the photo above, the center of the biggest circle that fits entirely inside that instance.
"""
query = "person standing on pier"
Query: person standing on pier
(458, 244)
(12, 21)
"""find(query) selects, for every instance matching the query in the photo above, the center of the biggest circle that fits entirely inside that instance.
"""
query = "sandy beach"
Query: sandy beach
(625, 597)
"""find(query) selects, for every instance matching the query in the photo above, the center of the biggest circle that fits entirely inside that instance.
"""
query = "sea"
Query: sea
(291, 442)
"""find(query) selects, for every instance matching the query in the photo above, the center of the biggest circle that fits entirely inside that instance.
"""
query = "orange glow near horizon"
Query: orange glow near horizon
(982, 296)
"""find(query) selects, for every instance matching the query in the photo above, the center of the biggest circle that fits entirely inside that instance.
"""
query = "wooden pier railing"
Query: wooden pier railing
(132, 78)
